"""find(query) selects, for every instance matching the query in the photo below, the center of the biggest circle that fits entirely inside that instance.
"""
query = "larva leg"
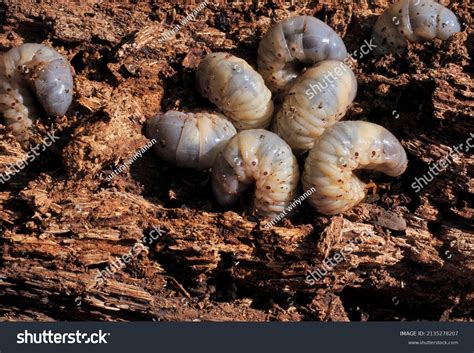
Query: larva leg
(343, 148)
(260, 157)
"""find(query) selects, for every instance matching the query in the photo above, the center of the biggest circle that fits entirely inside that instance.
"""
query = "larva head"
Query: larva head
(390, 29)
(291, 43)
(448, 24)
(54, 86)
(166, 129)
(393, 154)
(311, 40)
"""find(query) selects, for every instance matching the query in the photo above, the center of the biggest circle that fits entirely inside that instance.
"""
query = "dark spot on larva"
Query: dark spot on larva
(19, 118)
(279, 55)
(339, 181)
(401, 31)
(13, 104)
(320, 105)
(67, 91)
(400, 11)
(265, 173)
(262, 137)
(254, 163)
(9, 89)
(373, 153)
(9, 76)
(383, 29)
(268, 187)
(356, 154)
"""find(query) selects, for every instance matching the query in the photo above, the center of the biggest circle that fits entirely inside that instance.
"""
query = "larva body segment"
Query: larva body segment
(317, 99)
(189, 140)
(413, 20)
(236, 89)
(343, 148)
(33, 68)
(260, 157)
(288, 44)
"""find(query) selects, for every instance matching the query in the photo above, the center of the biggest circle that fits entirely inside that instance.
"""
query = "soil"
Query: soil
(62, 221)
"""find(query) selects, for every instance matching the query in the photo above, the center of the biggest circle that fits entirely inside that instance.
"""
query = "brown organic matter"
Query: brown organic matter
(61, 221)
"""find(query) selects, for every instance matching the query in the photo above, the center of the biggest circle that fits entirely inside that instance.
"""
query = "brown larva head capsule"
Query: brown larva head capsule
(295, 41)
(415, 21)
(236, 89)
(341, 149)
(189, 140)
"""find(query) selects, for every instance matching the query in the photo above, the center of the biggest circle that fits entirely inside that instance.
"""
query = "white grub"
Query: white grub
(29, 74)
(189, 140)
(318, 98)
(236, 89)
(415, 21)
(257, 157)
(343, 148)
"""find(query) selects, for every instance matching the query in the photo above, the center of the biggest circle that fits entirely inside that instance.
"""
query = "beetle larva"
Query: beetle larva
(33, 68)
(288, 44)
(261, 157)
(237, 89)
(189, 140)
(341, 149)
(316, 101)
(413, 20)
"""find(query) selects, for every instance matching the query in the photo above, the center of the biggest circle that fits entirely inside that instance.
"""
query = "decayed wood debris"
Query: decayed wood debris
(62, 222)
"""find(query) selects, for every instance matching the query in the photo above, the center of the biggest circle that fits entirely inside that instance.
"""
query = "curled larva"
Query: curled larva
(413, 20)
(260, 157)
(189, 140)
(33, 68)
(236, 89)
(317, 99)
(288, 44)
(343, 148)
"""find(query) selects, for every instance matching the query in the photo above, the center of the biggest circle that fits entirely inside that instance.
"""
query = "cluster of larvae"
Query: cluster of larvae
(233, 141)
(32, 74)
(307, 120)
(312, 102)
